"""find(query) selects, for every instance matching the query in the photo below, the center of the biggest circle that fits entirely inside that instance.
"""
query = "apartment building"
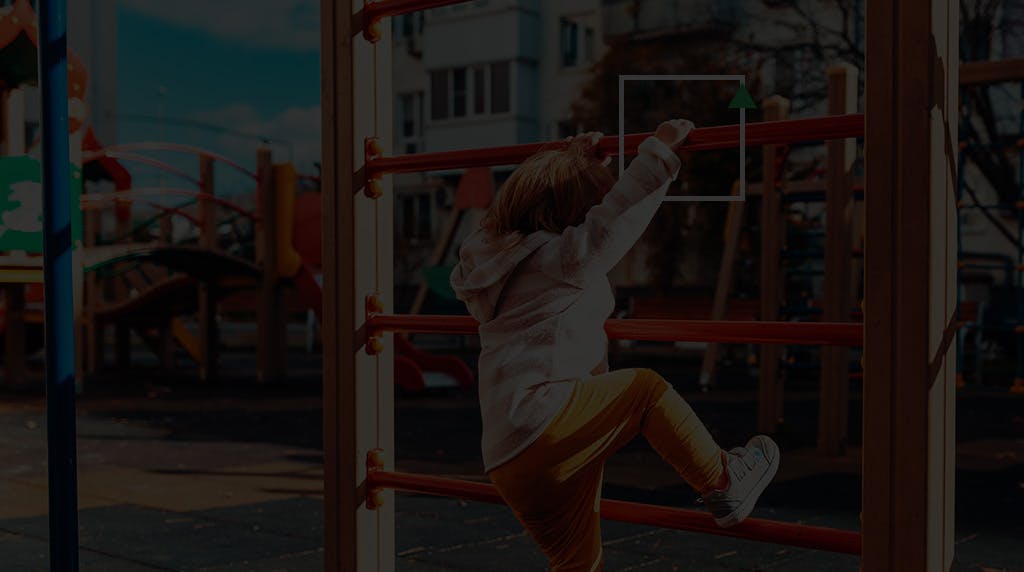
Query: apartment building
(480, 74)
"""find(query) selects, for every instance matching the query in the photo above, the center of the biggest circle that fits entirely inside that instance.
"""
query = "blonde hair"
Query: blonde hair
(552, 190)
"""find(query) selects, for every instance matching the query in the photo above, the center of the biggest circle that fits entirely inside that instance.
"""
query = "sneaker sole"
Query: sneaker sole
(747, 506)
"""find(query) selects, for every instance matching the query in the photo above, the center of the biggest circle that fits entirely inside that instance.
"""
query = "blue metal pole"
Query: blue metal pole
(1019, 378)
(58, 286)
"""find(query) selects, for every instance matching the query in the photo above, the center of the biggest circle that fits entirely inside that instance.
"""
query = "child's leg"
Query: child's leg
(677, 434)
(562, 517)
(554, 485)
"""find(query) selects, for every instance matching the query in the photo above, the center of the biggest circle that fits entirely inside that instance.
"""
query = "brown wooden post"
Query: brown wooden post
(733, 228)
(910, 291)
(834, 404)
(358, 389)
(208, 330)
(12, 143)
(770, 392)
(272, 337)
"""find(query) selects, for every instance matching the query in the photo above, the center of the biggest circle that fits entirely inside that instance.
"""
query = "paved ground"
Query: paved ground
(227, 478)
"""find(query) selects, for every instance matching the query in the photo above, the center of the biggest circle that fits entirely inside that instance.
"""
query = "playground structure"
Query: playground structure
(910, 302)
(837, 189)
(156, 284)
(152, 286)
(910, 296)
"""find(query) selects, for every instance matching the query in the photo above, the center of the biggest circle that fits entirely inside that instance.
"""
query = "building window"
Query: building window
(408, 118)
(417, 216)
(409, 121)
(439, 94)
(424, 226)
(588, 45)
(570, 43)
(501, 88)
(577, 43)
(459, 92)
(408, 217)
(478, 90)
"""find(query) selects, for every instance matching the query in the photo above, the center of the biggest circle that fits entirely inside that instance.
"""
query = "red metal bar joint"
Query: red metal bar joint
(372, 306)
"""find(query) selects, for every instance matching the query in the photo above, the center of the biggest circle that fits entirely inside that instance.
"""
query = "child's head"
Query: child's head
(550, 191)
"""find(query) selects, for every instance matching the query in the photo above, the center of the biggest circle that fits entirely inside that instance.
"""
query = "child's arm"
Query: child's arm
(612, 227)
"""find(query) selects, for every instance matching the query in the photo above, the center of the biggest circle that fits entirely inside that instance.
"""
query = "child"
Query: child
(535, 276)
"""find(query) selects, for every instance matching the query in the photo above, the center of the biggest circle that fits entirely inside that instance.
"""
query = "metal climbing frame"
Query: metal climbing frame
(906, 430)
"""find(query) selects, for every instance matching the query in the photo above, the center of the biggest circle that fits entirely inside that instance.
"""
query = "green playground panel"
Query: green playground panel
(439, 281)
(21, 204)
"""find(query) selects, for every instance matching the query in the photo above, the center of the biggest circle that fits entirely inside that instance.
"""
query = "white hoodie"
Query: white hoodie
(554, 298)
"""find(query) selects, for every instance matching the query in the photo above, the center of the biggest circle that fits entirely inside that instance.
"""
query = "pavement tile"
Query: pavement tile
(24, 554)
(175, 492)
(20, 499)
(992, 550)
(300, 517)
(169, 540)
(510, 554)
(312, 561)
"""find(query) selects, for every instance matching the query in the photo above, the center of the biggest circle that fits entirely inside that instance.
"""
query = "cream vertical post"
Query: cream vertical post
(773, 226)
(910, 285)
(834, 403)
(358, 255)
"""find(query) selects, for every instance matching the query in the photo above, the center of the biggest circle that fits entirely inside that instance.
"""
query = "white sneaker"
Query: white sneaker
(750, 469)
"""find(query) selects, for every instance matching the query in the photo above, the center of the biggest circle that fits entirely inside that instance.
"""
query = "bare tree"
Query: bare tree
(682, 236)
(980, 22)
(832, 30)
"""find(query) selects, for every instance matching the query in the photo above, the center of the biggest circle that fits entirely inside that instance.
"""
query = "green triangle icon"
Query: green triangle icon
(742, 99)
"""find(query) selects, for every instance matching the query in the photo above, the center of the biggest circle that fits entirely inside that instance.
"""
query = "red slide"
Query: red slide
(416, 370)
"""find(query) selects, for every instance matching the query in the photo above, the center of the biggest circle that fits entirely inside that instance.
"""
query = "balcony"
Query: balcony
(625, 18)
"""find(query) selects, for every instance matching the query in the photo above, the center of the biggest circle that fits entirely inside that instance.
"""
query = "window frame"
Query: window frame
(473, 72)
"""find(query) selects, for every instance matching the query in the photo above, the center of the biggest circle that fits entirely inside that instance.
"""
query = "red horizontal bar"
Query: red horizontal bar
(723, 332)
(701, 139)
(786, 533)
(374, 11)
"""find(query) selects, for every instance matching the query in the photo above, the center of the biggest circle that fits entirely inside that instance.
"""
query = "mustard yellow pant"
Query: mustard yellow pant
(554, 486)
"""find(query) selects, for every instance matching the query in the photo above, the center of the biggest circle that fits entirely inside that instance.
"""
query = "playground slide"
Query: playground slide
(416, 370)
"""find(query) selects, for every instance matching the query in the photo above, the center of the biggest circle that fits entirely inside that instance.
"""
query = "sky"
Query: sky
(245, 66)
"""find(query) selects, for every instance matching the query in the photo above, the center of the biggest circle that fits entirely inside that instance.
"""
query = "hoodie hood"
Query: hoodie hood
(485, 265)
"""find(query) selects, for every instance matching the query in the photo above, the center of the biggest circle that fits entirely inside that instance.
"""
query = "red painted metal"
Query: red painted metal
(725, 332)
(100, 155)
(131, 195)
(785, 533)
(701, 139)
(175, 148)
(374, 11)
